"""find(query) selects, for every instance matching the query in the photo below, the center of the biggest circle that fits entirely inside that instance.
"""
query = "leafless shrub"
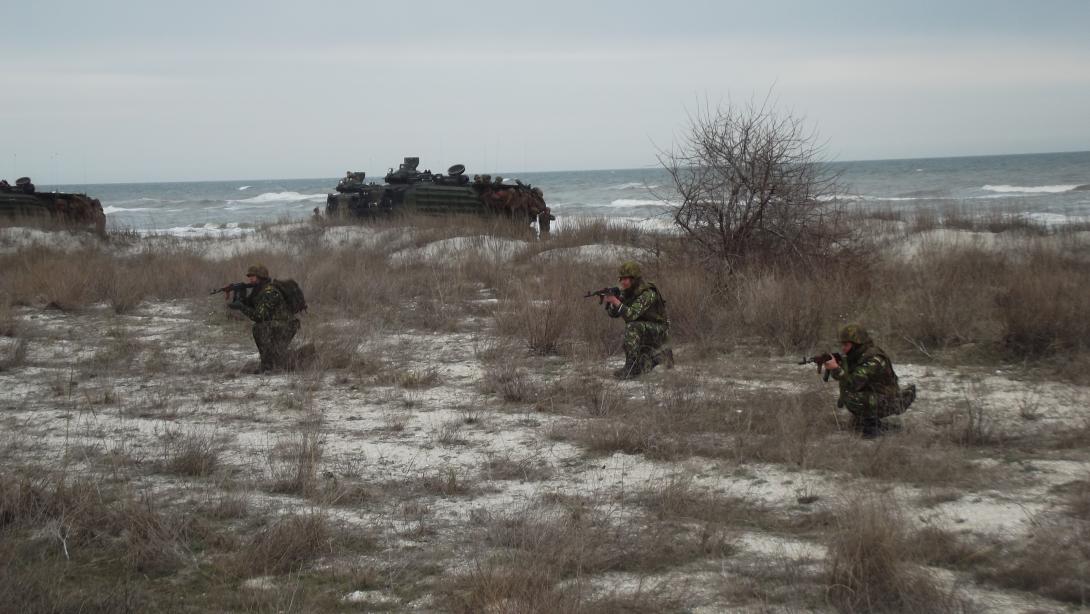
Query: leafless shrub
(971, 423)
(229, 506)
(13, 355)
(596, 397)
(450, 434)
(918, 295)
(9, 323)
(507, 467)
(122, 286)
(411, 379)
(942, 548)
(1078, 500)
(1040, 310)
(447, 482)
(287, 545)
(295, 461)
(193, 452)
(869, 568)
(677, 498)
(510, 381)
(786, 309)
(1052, 561)
(753, 188)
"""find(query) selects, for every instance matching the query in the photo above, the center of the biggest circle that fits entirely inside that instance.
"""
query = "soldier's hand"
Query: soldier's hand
(612, 300)
(234, 305)
(831, 364)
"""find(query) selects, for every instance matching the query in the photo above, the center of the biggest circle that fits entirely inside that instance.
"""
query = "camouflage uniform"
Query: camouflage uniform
(647, 326)
(868, 385)
(274, 324)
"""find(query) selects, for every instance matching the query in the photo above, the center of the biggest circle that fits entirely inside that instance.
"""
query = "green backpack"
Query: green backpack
(292, 293)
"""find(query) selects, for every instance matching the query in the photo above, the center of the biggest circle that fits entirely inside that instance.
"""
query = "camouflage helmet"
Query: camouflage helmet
(629, 269)
(853, 333)
(258, 270)
(486, 178)
(498, 179)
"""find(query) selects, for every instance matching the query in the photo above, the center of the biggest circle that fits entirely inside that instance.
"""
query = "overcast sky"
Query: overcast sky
(110, 91)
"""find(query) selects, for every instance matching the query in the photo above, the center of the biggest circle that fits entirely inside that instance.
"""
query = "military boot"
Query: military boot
(870, 428)
(663, 357)
(908, 395)
(630, 370)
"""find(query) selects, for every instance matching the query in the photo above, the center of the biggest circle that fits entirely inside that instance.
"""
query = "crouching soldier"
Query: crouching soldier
(868, 384)
(647, 327)
(275, 323)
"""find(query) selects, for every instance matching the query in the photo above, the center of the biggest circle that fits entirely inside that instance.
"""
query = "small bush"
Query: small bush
(193, 453)
(869, 564)
(287, 545)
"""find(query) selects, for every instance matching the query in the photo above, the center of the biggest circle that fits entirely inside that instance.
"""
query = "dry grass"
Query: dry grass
(869, 566)
(294, 461)
(540, 560)
(121, 549)
(287, 545)
(1053, 561)
(193, 452)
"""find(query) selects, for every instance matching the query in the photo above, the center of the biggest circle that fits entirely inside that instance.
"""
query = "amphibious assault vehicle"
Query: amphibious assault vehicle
(23, 204)
(408, 189)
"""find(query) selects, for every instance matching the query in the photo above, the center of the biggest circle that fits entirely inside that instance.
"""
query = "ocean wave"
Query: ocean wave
(280, 197)
(639, 202)
(232, 229)
(1039, 189)
(112, 209)
(1051, 219)
(245, 187)
(631, 185)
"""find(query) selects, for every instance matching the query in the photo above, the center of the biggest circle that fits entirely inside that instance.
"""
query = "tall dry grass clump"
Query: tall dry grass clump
(287, 545)
(1042, 308)
(869, 565)
(542, 560)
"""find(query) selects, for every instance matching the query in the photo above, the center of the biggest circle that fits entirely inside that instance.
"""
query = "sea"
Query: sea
(1047, 188)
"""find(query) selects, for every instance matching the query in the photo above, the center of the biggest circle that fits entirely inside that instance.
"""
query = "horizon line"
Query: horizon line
(589, 170)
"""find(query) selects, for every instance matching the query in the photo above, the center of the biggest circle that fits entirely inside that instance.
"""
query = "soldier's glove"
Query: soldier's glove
(234, 305)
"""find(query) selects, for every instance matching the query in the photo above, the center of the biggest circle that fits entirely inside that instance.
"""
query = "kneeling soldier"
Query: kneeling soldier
(647, 327)
(274, 323)
(868, 385)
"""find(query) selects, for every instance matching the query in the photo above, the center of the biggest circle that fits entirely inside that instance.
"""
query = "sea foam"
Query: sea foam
(1039, 189)
(280, 197)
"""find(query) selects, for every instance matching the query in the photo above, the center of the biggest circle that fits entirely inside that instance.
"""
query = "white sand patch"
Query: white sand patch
(378, 598)
(15, 239)
(365, 237)
(1009, 243)
(996, 515)
(779, 547)
(602, 252)
(458, 249)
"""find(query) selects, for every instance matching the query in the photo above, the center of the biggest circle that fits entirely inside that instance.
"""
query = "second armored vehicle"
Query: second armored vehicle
(408, 189)
(23, 204)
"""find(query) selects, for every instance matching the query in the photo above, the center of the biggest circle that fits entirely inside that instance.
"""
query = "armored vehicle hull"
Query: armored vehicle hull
(23, 205)
(409, 190)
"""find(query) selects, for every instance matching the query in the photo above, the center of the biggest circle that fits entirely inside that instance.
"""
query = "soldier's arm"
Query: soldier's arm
(858, 378)
(613, 312)
(643, 302)
(265, 305)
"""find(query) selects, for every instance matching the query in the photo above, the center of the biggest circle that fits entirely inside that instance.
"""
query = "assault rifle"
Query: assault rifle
(821, 359)
(233, 293)
(603, 293)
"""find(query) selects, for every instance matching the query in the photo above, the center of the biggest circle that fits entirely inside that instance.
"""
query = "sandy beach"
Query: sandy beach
(460, 446)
